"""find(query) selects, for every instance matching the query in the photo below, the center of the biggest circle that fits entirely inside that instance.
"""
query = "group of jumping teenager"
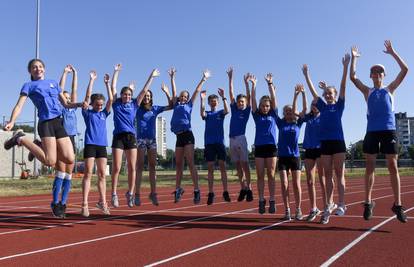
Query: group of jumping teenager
(134, 133)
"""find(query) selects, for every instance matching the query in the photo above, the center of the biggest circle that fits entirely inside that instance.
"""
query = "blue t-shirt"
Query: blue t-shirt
(265, 128)
(331, 119)
(124, 116)
(288, 137)
(238, 120)
(95, 122)
(146, 121)
(312, 138)
(214, 132)
(70, 121)
(380, 113)
(181, 118)
(45, 97)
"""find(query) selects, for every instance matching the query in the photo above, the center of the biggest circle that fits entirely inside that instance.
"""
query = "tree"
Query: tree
(411, 151)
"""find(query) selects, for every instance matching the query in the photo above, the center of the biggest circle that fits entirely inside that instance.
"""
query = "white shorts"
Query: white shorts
(238, 148)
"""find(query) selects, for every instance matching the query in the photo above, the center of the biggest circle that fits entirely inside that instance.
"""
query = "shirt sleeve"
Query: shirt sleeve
(25, 89)
(320, 104)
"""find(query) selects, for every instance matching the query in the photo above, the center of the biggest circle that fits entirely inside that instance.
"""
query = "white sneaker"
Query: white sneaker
(115, 201)
(85, 211)
(340, 211)
(331, 207)
(103, 207)
(325, 217)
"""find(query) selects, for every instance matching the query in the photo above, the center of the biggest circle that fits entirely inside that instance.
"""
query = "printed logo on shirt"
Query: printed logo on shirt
(51, 85)
(393, 141)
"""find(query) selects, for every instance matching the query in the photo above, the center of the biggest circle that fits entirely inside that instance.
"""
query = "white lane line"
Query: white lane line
(357, 240)
(117, 235)
(214, 244)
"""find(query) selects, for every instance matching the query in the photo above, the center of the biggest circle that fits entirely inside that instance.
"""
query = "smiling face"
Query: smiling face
(213, 101)
(36, 69)
(241, 102)
(67, 96)
(183, 97)
(264, 105)
(377, 75)
(97, 105)
(288, 113)
(126, 95)
(147, 100)
(330, 95)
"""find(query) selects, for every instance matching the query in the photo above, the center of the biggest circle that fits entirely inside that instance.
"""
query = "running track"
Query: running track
(183, 234)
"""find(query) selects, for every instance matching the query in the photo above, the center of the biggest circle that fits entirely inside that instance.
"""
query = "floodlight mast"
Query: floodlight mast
(37, 56)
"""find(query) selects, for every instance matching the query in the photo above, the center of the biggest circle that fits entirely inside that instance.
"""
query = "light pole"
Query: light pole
(37, 56)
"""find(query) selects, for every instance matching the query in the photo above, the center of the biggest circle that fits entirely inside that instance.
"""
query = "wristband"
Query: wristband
(224, 98)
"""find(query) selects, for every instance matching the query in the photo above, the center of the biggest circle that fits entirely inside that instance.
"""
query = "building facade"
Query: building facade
(161, 136)
(405, 130)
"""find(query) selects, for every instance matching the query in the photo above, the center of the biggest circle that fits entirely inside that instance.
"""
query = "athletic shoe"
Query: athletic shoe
(210, 198)
(368, 208)
(197, 197)
(262, 206)
(226, 196)
(103, 207)
(298, 215)
(287, 215)
(12, 141)
(129, 199)
(85, 211)
(177, 194)
(332, 207)
(56, 210)
(272, 206)
(115, 201)
(62, 210)
(153, 198)
(31, 156)
(242, 195)
(249, 195)
(312, 215)
(325, 217)
(137, 200)
(340, 211)
(399, 211)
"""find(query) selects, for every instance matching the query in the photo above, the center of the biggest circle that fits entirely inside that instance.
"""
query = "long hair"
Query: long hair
(143, 106)
(31, 62)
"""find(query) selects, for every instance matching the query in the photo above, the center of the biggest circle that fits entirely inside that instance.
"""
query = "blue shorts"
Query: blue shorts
(213, 151)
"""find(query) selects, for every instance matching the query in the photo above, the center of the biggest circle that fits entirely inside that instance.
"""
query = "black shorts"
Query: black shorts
(185, 138)
(380, 141)
(213, 151)
(312, 153)
(331, 147)
(265, 151)
(52, 128)
(288, 163)
(124, 141)
(72, 139)
(94, 151)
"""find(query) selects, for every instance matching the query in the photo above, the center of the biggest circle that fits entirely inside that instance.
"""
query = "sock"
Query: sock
(57, 185)
(66, 187)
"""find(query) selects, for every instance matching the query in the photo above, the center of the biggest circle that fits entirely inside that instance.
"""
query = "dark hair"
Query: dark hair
(31, 62)
(239, 96)
(65, 92)
(150, 103)
(126, 88)
(95, 97)
(211, 97)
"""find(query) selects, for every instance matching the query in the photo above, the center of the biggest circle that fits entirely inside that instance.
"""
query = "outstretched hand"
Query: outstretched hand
(172, 72)
(68, 68)
(106, 78)
(118, 67)
(388, 47)
(164, 88)
(246, 77)
(269, 78)
(305, 69)
(253, 79)
(323, 85)
(132, 85)
(203, 94)
(230, 72)
(299, 88)
(346, 59)
(155, 73)
(220, 91)
(92, 75)
(8, 126)
(206, 74)
(355, 52)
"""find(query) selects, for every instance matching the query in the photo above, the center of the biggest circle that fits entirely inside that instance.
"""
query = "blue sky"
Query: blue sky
(256, 36)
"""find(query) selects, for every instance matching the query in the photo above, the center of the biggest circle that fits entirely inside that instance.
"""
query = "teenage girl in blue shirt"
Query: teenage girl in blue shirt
(124, 139)
(146, 121)
(381, 128)
(333, 148)
(240, 112)
(48, 99)
(181, 127)
(288, 152)
(265, 150)
(95, 143)
(214, 141)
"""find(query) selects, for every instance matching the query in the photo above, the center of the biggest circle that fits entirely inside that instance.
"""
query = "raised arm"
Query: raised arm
(305, 71)
(253, 80)
(246, 83)
(223, 97)
(92, 78)
(202, 104)
(403, 66)
(272, 89)
(295, 98)
(117, 69)
(74, 93)
(154, 73)
(345, 63)
(15, 113)
(166, 91)
(231, 89)
(172, 73)
(352, 73)
(299, 89)
(64, 76)
(108, 105)
(206, 75)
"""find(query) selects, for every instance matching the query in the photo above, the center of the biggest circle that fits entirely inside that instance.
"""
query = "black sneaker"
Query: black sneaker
(368, 208)
(272, 206)
(31, 157)
(249, 195)
(242, 195)
(12, 141)
(56, 210)
(197, 197)
(262, 206)
(399, 211)
(210, 198)
(62, 210)
(178, 194)
(226, 196)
